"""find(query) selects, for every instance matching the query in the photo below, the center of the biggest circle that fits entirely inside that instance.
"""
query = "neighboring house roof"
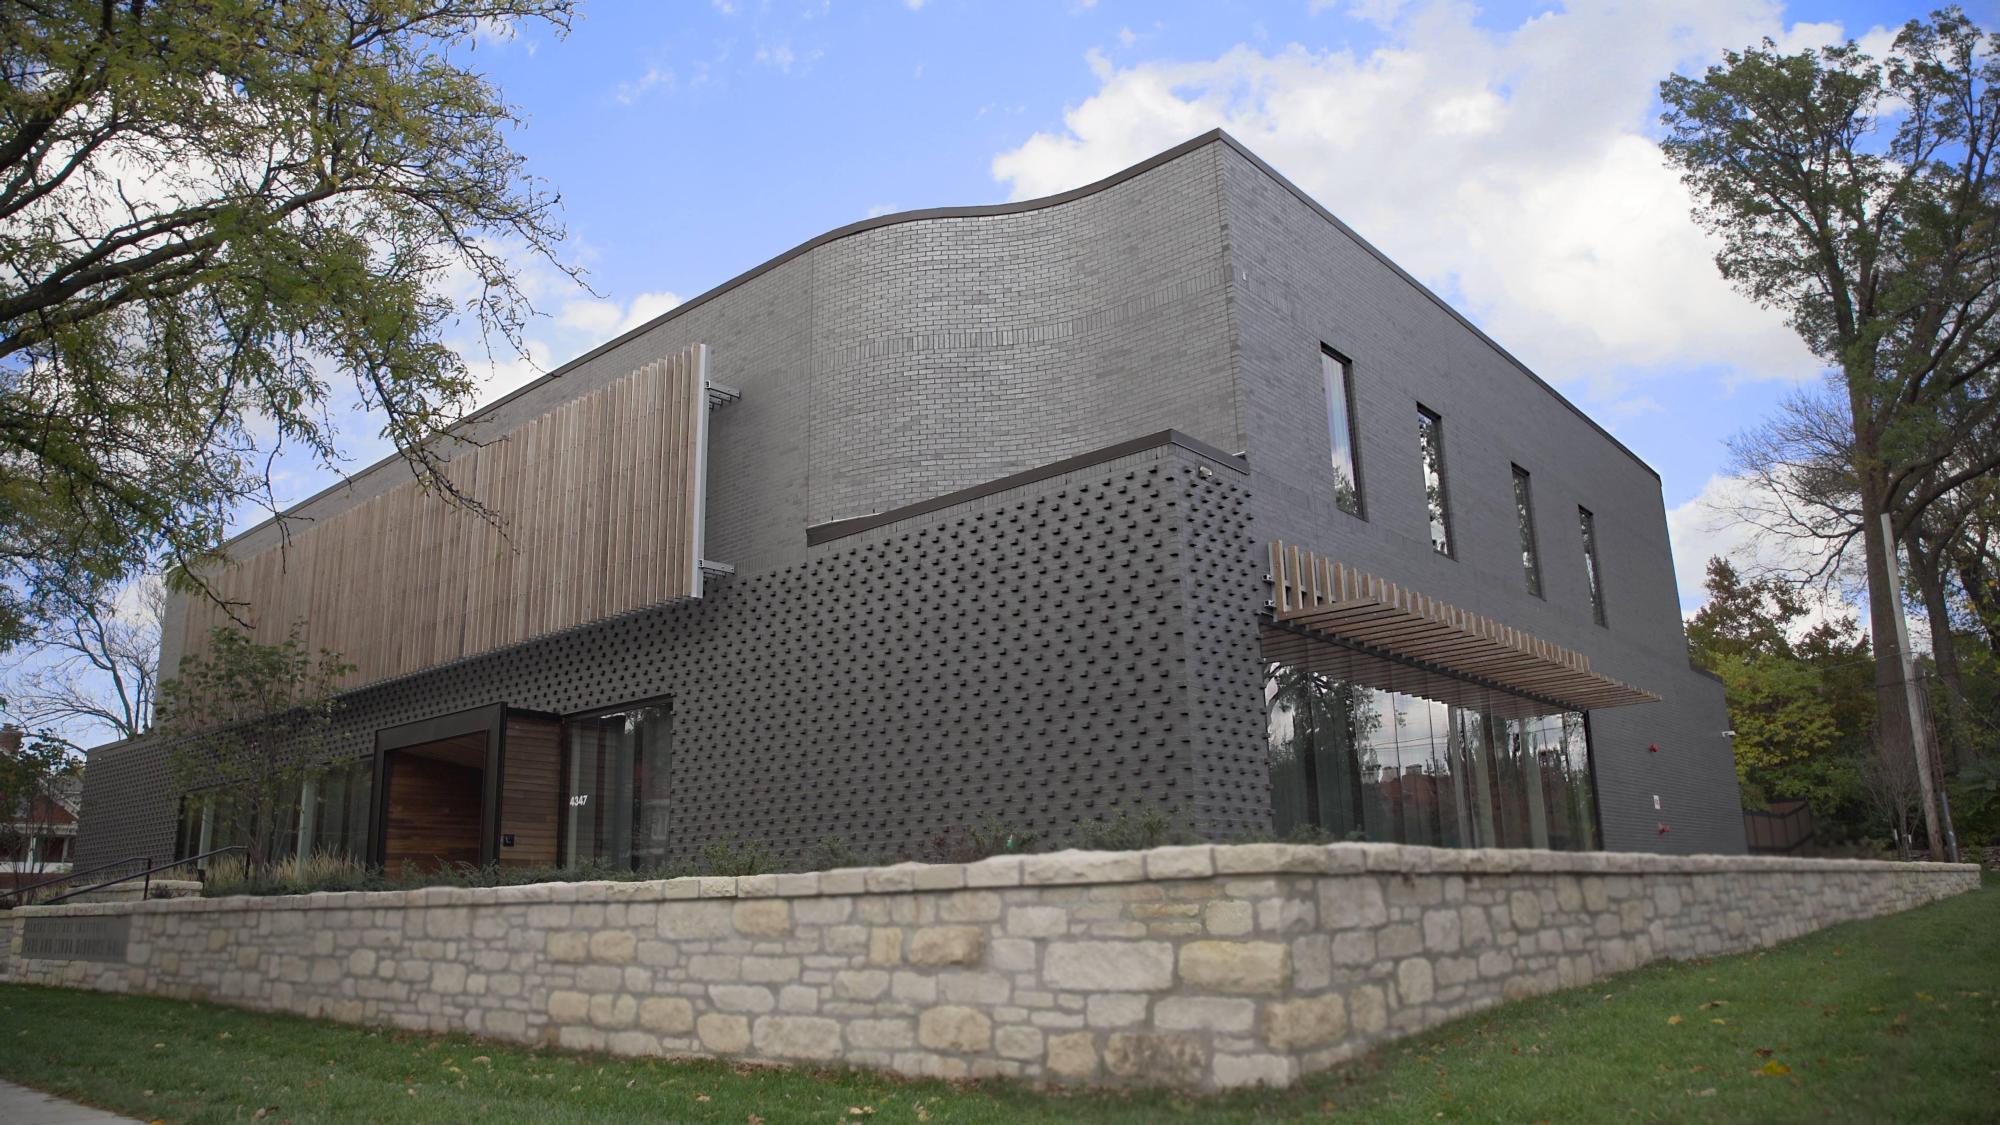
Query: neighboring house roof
(65, 790)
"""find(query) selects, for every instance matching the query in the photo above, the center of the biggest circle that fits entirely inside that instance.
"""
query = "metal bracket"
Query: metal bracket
(721, 394)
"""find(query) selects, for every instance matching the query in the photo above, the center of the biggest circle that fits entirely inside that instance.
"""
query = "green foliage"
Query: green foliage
(210, 208)
(1884, 1020)
(730, 856)
(1975, 804)
(324, 871)
(969, 843)
(1860, 197)
(1802, 709)
(1151, 827)
(29, 776)
(250, 723)
(1787, 741)
(834, 852)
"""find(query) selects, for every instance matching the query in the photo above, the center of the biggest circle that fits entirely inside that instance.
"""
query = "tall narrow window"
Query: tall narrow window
(1593, 572)
(1430, 443)
(1337, 376)
(1524, 515)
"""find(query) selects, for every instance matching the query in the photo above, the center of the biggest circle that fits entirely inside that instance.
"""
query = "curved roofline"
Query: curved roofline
(981, 210)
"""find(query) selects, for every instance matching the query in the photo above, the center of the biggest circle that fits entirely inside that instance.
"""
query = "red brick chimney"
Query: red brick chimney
(10, 740)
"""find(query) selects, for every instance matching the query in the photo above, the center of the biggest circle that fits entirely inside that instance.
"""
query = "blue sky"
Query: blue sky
(1502, 153)
(1505, 154)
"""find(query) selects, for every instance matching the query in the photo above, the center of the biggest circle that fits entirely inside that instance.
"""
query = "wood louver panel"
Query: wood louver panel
(1330, 599)
(598, 509)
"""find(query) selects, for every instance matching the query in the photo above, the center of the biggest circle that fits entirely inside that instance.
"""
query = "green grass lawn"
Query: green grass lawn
(1897, 1019)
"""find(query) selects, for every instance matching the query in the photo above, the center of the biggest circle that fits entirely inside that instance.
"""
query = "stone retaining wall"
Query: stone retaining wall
(1199, 967)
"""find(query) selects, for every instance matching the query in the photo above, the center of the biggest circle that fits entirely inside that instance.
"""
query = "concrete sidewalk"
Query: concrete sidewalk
(22, 1106)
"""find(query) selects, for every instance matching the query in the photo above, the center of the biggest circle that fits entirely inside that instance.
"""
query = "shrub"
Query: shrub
(321, 871)
(1975, 804)
(730, 856)
(1150, 828)
(970, 843)
(834, 852)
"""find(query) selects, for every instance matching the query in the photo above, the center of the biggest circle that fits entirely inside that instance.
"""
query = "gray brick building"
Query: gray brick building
(997, 495)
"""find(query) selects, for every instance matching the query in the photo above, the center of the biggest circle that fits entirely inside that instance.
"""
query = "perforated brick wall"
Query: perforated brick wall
(1048, 654)
(1078, 645)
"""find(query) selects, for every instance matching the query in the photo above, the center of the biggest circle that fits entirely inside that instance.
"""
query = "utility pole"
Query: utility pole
(1942, 839)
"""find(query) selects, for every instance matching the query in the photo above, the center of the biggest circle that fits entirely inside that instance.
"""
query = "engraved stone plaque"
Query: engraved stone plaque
(90, 937)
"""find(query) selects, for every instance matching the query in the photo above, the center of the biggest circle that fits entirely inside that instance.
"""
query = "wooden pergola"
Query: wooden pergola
(1315, 598)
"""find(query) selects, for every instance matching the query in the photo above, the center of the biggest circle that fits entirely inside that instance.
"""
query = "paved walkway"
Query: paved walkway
(22, 1106)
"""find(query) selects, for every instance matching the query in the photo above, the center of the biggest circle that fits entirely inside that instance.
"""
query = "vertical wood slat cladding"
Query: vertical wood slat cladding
(531, 787)
(433, 817)
(598, 505)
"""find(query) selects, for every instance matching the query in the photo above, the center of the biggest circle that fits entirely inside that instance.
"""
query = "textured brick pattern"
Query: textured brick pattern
(1023, 657)
(1299, 281)
(1089, 643)
(1201, 967)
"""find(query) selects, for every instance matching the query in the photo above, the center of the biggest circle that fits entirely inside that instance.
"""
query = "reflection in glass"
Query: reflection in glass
(1354, 761)
(1430, 444)
(615, 798)
(1337, 378)
(333, 811)
(1587, 524)
(1524, 516)
(330, 817)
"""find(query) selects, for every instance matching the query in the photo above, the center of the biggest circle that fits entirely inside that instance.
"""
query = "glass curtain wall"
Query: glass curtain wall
(330, 817)
(1354, 761)
(616, 773)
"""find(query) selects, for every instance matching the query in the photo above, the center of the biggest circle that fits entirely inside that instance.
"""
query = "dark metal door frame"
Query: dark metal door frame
(491, 721)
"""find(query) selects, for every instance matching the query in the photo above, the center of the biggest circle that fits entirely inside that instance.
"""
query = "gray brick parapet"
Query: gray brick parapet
(1199, 967)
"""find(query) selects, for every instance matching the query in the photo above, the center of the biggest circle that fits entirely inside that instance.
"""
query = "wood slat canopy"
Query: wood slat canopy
(1328, 598)
(598, 508)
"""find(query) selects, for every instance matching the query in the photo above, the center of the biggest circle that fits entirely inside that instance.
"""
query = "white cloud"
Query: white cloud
(1707, 526)
(782, 57)
(576, 327)
(779, 56)
(1514, 171)
(880, 209)
(915, 5)
(493, 33)
(655, 76)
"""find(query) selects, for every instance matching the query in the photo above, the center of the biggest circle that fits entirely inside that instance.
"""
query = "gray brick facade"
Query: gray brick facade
(1082, 642)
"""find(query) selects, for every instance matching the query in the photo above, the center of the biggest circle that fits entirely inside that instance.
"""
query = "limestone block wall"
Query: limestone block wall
(1199, 967)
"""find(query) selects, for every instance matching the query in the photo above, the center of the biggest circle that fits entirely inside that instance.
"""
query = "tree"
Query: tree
(1802, 461)
(97, 666)
(1860, 198)
(35, 769)
(209, 209)
(251, 723)
(1799, 704)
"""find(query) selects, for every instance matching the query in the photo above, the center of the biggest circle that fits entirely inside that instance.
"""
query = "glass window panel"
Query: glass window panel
(1337, 380)
(1430, 444)
(616, 779)
(1342, 709)
(1524, 516)
(1351, 760)
(1288, 747)
(339, 811)
(1587, 524)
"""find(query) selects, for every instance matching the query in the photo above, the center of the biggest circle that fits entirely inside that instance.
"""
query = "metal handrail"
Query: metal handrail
(147, 874)
(19, 892)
